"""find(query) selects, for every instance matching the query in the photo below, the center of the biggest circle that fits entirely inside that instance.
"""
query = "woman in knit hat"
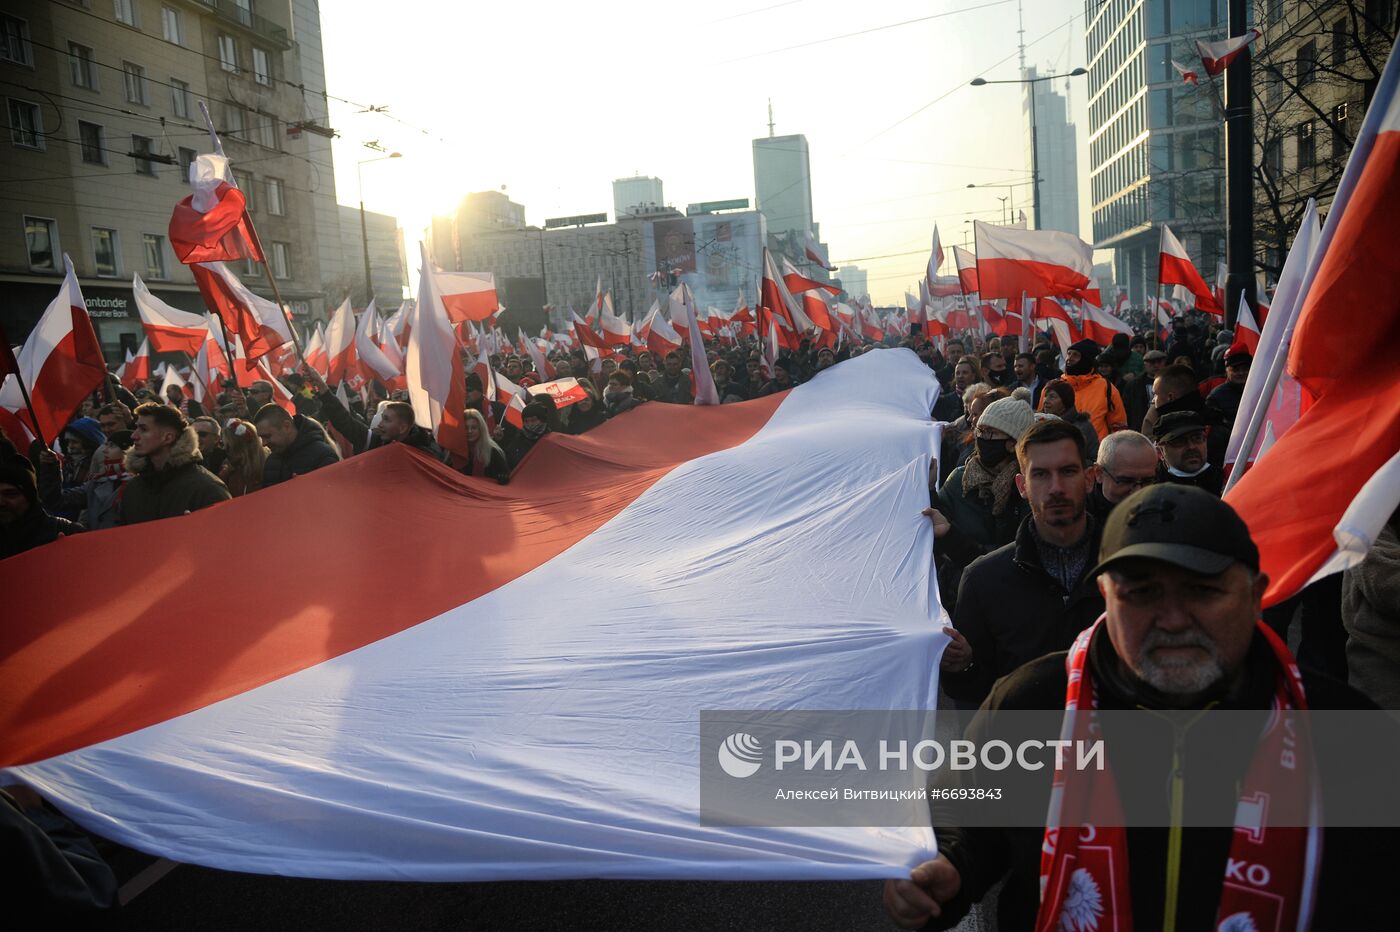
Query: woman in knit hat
(979, 499)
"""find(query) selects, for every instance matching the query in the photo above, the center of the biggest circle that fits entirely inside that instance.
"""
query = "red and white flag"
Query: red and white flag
(966, 264)
(340, 346)
(170, 330)
(935, 262)
(316, 356)
(775, 298)
(373, 361)
(662, 337)
(211, 364)
(616, 331)
(1034, 263)
(542, 365)
(211, 225)
(1100, 326)
(136, 371)
(1216, 56)
(1246, 329)
(261, 323)
(249, 750)
(797, 283)
(585, 334)
(1188, 76)
(465, 295)
(61, 364)
(565, 392)
(1316, 500)
(1174, 267)
(433, 366)
(816, 252)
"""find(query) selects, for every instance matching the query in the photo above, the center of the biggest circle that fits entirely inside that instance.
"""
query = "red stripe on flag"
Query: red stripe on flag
(87, 661)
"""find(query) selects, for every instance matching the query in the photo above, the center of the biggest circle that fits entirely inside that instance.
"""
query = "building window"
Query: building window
(1273, 157)
(154, 249)
(265, 130)
(90, 141)
(1275, 11)
(170, 24)
(125, 11)
(1378, 14)
(281, 260)
(14, 40)
(233, 121)
(41, 238)
(187, 157)
(1341, 132)
(104, 252)
(26, 124)
(1307, 63)
(276, 197)
(228, 53)
(140, 150)
(134, 80)
(1307, 146)
(244, 182)
(244, 11)
(262, 71)
(1339, 42)
(180, 98)
(83, 67)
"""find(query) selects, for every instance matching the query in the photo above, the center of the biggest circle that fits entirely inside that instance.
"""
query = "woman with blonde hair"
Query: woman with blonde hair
(487, 458)
(242, 471)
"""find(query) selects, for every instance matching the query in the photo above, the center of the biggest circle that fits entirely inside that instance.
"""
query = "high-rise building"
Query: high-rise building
(1057, 143)
(103, 142)
(782, 179)
(855, 281)
(1156, 145)
(387, 266)
(636, 195)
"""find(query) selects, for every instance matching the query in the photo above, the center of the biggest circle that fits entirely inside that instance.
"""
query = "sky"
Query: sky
(551, 103)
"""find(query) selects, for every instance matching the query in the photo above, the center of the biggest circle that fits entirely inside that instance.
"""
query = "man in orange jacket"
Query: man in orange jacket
(1093, 394)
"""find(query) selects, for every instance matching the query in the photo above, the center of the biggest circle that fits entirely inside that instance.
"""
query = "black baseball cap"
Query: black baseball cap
(1178, 524)
(1177, 424)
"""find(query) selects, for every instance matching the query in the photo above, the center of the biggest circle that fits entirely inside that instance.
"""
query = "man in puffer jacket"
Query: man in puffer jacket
(1093, 394)
(169, 478)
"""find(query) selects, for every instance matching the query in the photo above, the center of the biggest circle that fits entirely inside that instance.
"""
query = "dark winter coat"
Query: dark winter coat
(497, 468)
(34, 529)
(1356, 863)
(1012, 611)
(309, 452)
(184, 485)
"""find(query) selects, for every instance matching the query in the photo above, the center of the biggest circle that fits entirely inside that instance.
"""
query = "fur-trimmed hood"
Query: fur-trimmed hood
(185, 450)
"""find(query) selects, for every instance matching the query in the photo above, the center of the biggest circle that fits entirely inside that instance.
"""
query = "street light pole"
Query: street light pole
(1035, 147)
(364, 229)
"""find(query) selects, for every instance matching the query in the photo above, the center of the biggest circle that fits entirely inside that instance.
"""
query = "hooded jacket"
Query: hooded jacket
(308, 452)
(1098, 399)
(182, 486)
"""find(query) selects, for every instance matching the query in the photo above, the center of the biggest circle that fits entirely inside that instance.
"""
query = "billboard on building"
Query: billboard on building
(675, 244)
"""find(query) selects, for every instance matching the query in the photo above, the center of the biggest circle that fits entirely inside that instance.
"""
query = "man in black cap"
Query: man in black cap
(1180, 578)
(1225, 399)
(1181, 443)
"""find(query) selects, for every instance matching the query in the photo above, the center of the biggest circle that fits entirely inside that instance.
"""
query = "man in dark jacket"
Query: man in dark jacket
(1182, 588)
(1225, 399)
(534, 421)
(1178, 389)
(24, 524)
(1034, 595)
(169, 477)
(1181, 441)
(298, 444)
(397, 425)
(673, 387)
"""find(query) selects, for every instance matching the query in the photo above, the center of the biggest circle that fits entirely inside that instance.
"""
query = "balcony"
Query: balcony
(240, 14)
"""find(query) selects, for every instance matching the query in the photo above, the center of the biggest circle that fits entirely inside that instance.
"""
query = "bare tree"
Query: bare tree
(1314, 74)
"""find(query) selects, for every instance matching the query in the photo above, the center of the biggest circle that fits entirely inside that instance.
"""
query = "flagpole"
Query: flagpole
(1259, 415)
(229, 354)
(272, 282)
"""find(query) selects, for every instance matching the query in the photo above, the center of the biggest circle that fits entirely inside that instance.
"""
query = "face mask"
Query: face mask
(992, 453)
(1083, 367)
(535, 432)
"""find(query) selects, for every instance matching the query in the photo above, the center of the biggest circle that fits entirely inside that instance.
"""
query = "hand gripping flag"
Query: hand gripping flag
(456, 725)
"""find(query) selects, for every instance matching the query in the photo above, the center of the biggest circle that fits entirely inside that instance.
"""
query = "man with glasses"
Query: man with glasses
(259, 394)
(1127, 462)
(1181, 443)
(211, 442)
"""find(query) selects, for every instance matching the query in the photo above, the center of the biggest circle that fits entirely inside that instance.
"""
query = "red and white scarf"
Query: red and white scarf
(1271, 871)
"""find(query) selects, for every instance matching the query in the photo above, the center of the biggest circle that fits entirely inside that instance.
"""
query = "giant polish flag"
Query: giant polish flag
(61, 364)
(169, 329)
(1033, 263)
(1317, 499)
(457, 726)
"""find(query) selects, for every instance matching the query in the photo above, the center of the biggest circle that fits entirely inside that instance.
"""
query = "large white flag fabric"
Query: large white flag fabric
(456, 725)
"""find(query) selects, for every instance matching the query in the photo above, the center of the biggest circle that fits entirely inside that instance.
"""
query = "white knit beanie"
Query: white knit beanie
(1011, 416)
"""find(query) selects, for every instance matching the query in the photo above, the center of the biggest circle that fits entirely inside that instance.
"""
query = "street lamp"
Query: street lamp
(364, 230)
(1035, 148)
